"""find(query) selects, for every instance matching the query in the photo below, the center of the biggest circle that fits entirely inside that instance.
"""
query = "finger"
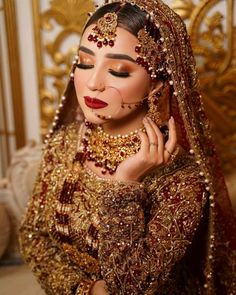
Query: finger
(144, 148)
(171, 143)
(160, 139)
(152, 137)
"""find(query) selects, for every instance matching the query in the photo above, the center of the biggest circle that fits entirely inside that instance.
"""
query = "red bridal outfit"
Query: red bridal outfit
(172, 233)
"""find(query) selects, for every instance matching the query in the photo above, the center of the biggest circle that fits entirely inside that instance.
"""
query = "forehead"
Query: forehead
(125, 42)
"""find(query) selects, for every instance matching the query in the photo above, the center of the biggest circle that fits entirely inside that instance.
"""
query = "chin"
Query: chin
(92, 118)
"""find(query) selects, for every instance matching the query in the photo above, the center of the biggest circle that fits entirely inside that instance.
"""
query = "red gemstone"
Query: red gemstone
(139, 60)
(145, 64)
(137, 49)
(111, 43)
(99, 44)
(90, 37)
(95, 38)
(105, 42)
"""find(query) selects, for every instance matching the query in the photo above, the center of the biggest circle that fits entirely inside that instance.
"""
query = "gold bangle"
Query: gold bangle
(84, 288)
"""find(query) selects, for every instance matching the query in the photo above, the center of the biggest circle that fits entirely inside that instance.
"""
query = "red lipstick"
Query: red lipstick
(94, 103)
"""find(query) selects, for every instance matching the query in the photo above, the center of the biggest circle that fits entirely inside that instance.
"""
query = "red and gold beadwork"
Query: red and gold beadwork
(104, 32)
(108, 151)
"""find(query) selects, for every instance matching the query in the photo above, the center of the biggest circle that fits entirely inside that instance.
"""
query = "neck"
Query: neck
(127, 124)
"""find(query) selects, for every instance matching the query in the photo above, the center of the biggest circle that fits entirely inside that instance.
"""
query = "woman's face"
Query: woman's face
(107, 80)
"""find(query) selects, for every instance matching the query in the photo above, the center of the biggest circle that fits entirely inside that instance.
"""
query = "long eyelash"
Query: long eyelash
(83, 66)
(119, 74)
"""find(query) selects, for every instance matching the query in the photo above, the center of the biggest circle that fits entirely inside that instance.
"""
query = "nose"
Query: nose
(96, 81)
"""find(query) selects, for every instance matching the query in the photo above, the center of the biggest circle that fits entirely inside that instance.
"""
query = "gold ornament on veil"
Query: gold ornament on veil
(151, 50)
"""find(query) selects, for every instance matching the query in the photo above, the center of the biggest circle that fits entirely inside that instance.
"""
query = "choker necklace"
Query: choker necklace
(105, 150)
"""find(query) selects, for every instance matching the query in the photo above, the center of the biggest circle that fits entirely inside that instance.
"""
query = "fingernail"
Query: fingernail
(149, 119)
(172, 119)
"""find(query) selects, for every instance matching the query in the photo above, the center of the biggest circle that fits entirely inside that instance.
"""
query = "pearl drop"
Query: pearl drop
(191, 152)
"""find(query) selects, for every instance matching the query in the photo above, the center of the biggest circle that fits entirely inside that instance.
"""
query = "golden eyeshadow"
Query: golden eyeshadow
(85, 59)
(120, 67)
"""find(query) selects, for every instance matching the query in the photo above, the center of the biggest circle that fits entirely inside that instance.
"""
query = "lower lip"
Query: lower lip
(93, 103)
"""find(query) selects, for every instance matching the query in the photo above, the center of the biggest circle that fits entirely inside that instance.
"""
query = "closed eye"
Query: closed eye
(119, 74)
(84, 66)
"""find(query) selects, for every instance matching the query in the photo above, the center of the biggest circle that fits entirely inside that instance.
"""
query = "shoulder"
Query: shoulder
(63, 138)
(62, 142)
(65, 132)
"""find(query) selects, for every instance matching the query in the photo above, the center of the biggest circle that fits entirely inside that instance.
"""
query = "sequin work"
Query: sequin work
(80, 227)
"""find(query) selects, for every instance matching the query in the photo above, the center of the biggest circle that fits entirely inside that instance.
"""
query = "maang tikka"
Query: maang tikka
(104, 32)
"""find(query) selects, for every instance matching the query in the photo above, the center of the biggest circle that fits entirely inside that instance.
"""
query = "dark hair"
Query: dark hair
(130, 17)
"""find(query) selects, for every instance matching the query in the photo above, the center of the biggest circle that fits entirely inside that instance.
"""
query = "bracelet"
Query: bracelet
(83, 288)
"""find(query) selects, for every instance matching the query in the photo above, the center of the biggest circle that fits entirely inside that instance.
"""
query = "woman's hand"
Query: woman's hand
(153, 152)
(99, 288)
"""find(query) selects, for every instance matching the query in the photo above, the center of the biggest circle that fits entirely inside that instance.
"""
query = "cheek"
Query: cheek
(135, 87)
(79, 82)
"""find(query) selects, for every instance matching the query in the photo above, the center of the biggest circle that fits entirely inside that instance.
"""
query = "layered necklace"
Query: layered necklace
(105, 150)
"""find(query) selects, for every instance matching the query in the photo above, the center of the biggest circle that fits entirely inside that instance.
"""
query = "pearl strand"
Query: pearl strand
(102, 132)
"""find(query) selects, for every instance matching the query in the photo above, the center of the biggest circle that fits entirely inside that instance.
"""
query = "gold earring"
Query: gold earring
(153, 107)
(159, 105)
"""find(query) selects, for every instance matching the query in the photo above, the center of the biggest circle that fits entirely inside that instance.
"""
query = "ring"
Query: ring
(174, 154)
(153, 143)
(171, 154)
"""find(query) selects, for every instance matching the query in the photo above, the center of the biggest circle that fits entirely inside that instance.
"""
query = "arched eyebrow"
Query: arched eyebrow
(120, 56)
(86, 50)
(108, 55)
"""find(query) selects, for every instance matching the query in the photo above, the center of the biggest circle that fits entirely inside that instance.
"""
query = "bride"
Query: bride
(129, 198)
